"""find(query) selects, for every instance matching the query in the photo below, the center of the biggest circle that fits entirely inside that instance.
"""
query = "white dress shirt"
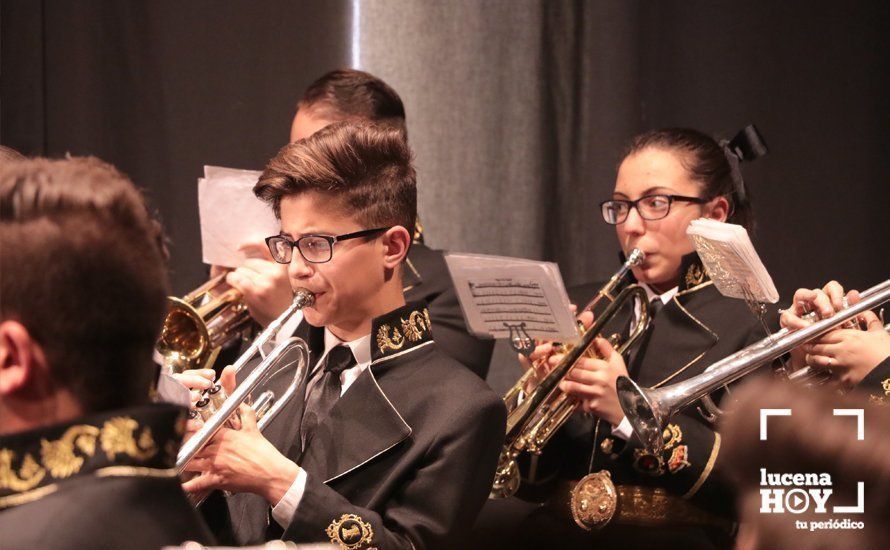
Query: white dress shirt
(284, 511)
(624, 430)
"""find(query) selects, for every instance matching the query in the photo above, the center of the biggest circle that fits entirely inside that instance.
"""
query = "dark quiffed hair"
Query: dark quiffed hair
(366, 166)
(82, 267)
(347, 94)
(707, 163)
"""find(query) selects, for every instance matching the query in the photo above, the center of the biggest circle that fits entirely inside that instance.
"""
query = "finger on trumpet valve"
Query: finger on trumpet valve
(204, 408)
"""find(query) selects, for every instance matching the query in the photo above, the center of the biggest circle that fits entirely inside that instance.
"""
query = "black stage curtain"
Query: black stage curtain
(161, 88)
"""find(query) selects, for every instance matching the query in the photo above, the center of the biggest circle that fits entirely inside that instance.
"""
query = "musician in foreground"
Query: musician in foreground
(666, 179)
(85, 460)
(394, 445)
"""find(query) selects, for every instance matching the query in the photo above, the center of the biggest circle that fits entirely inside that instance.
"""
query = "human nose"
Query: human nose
(634, 223)
(299, 268)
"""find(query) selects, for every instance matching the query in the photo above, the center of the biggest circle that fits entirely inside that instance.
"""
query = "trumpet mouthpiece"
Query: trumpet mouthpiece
(636, 257)
(303, 298)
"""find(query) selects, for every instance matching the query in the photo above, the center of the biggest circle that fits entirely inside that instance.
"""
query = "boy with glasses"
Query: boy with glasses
(391, 445)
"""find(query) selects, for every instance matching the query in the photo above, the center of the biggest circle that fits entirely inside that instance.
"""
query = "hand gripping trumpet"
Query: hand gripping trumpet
(219, 408)
(544, 408)
(649, 410)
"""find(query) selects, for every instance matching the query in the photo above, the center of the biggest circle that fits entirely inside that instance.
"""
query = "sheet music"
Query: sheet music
(731, 261)
(497, 293)
(231, 215)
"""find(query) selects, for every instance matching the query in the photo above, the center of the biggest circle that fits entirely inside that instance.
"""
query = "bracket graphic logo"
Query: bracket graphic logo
(797, 493)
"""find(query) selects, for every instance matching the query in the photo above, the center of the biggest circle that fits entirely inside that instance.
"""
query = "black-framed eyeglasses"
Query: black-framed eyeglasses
(650, 207)
(315, 249)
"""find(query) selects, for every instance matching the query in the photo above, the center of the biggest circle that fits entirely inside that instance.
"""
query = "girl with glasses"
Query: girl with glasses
(666, 179)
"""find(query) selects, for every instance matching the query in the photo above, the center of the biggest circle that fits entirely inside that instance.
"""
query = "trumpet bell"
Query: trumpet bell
(198, 325)
(643, 410)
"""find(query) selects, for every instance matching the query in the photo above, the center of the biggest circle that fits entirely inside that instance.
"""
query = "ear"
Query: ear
(718, 209)
(21, 358)
(396, 242)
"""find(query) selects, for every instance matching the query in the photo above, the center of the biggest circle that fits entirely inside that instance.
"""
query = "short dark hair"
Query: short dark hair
(82, 267)
(706, 163)
(365, 165)
(348, 94)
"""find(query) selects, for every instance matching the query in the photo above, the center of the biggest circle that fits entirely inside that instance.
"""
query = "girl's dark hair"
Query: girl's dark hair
(713, 164)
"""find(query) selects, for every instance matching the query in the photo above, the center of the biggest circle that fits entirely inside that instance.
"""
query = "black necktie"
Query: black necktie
(325, 392)
(655, 306)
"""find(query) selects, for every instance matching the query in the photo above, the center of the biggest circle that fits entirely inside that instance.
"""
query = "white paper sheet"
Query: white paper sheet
(731, 261)
(496, 292)
(231, 215)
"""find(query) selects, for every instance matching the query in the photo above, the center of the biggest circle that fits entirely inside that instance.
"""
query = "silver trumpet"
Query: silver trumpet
(649, 410)
(217, 408)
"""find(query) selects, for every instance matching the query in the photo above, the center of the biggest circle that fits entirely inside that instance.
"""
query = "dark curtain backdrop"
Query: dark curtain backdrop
(518, 110)
(160, 88)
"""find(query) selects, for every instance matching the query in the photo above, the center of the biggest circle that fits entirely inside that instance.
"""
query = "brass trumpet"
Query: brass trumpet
(537, 409)
(649, 410)
(198, 325)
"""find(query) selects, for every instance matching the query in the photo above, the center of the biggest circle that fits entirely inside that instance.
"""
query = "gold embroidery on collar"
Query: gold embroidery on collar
(695, 275)
(385, 342)
(29, 475)
(58, 456)
(350, 532)
(117, 438)
(886, 385)
(413, 329)
(416, 325)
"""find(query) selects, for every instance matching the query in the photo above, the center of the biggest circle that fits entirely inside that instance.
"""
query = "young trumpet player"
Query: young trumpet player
(352, 95)
(390, 444)
(85, 459)
(666, 179)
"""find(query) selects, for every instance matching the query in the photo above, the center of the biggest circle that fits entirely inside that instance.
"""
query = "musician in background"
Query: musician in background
(393, 445)
(350, 95)
(85, 460)
(666, 179)
(856, 356)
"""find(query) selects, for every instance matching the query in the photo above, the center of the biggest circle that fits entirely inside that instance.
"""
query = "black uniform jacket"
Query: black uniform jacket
(102, 481)
(426, 278)
(698, 327)
(405, 458)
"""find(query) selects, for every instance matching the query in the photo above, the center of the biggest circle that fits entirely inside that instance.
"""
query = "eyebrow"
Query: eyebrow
(651, 191)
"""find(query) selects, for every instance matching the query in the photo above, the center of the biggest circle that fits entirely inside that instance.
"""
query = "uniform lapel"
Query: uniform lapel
(362, 425)
(678, 329)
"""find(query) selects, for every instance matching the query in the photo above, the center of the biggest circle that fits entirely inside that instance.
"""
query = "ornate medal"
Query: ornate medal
(594, 500)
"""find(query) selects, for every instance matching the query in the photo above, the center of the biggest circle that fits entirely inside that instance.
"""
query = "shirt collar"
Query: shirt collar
(664, 297)
(361, 347)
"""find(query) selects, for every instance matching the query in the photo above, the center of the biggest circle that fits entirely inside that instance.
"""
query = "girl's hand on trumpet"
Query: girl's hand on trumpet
(541, 359)
(592, 382)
